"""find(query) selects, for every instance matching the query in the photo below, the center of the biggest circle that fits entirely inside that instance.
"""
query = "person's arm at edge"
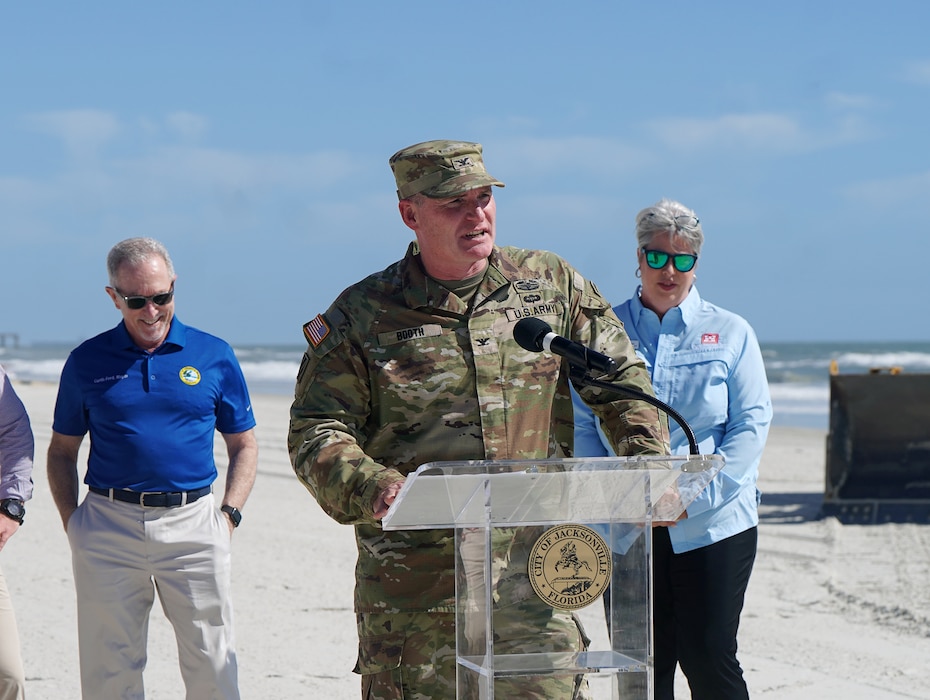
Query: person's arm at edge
(242, 450)
(17, 444)
(61, 465)
(17, 450)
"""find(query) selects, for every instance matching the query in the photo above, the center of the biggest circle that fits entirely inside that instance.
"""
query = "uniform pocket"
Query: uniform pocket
(378, 663)
(381, 653)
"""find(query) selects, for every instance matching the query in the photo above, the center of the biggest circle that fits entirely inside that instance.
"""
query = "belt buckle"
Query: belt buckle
(142, 498)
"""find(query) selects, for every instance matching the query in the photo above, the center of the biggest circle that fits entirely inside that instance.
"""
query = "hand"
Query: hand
(385, 499)
(668, 509)
(8, 528)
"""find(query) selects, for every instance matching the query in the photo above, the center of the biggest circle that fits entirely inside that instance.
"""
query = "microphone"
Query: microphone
(536, 335)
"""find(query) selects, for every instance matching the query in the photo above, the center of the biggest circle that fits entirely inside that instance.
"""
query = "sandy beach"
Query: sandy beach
(833, 611)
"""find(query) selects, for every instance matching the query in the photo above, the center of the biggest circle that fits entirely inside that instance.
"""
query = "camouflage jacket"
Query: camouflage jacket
(399, 371)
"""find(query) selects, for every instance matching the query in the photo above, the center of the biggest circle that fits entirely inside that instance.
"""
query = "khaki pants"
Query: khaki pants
(123, 554)
(12, 675)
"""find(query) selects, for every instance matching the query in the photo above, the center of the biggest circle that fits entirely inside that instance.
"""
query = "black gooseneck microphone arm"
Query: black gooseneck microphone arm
(535, 335)
(579, 377)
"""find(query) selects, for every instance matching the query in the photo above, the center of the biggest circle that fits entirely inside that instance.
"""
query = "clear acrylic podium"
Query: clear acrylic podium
(505, 513)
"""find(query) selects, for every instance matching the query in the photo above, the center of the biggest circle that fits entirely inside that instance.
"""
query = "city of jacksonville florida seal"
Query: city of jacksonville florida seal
(570, 566)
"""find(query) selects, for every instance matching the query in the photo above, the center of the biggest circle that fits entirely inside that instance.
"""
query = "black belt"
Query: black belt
(158, 499)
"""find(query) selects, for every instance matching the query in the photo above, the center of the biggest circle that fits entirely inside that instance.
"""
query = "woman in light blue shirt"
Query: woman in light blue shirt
(705, 362)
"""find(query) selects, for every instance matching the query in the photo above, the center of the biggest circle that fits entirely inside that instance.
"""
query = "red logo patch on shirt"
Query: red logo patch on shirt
(710, 338)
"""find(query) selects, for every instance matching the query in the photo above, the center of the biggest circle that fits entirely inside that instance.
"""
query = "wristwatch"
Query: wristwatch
(233, 514)
(14, 509)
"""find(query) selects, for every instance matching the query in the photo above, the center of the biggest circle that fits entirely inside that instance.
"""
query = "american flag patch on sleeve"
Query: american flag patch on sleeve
(316, 330)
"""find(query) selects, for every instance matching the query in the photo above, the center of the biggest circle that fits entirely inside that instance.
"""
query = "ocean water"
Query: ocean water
(798, 373)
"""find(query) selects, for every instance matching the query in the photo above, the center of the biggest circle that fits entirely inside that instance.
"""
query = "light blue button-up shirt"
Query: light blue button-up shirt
(705, 362)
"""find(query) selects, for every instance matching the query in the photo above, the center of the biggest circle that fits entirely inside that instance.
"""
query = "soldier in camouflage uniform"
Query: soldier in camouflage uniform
(417, 363)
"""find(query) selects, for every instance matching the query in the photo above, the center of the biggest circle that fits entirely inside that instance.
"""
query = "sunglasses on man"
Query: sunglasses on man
(137, 302)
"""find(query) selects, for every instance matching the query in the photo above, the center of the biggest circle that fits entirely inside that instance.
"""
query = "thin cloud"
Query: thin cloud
(188, 125)
(846, 101)
(917, 72)
(19, 199)
(753, 131)
(149, 178)
(151, 158)
(204, 167)
(574, 154)
(757, 133)
(504, 124)
(16, 191)
(83, 131)
(893, 192)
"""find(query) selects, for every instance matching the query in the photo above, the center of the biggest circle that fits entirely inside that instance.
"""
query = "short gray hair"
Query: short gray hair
(673, 218)
(133, 251)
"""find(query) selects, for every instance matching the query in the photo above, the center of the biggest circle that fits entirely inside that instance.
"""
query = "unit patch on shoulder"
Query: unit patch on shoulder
(316, 330)
(189, 375)
(570, 566)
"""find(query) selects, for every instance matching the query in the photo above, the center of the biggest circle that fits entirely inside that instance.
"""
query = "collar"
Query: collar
(420, 290)
(176, 338)
(687, 310)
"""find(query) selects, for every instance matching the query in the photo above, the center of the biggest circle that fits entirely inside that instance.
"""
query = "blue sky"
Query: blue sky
(253, 139)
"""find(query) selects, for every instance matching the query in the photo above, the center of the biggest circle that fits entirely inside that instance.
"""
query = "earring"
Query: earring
(638, 273)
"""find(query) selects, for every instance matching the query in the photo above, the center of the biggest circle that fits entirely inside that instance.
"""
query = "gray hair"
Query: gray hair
(673, 218)
(133, 251)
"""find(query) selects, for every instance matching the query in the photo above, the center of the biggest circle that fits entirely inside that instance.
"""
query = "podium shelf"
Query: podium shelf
(536, 492)
(567, 663)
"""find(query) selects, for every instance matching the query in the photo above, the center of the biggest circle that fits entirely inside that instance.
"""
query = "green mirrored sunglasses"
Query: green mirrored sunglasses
(658, 259)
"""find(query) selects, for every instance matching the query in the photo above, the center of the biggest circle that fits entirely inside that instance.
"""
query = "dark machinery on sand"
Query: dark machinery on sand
(878, 447)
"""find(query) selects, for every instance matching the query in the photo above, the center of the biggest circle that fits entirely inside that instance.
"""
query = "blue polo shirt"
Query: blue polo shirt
(152, 416)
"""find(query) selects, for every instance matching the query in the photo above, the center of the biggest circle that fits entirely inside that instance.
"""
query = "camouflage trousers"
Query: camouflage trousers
(411, 656)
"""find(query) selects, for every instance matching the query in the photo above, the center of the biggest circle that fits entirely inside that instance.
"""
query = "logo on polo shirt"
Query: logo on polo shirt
(189, 375)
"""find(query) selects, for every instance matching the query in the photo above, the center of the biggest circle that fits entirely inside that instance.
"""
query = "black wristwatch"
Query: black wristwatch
(14, 509)
(233, 514)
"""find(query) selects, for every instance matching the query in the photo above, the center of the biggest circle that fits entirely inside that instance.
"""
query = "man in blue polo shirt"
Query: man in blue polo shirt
(151, 392)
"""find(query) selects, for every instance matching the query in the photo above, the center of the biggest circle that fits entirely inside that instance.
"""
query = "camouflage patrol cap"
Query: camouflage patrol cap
(440, 169)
